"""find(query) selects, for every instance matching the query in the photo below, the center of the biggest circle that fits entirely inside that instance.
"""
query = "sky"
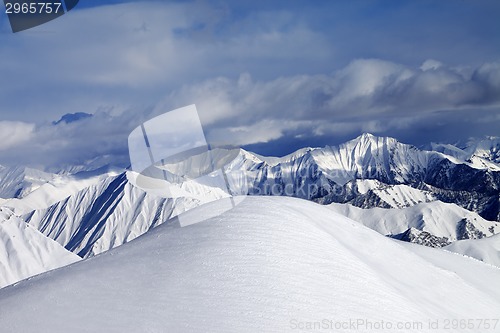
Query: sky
(270, 76)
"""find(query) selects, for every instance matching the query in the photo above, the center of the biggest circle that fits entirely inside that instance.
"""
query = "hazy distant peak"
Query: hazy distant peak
(72, 117)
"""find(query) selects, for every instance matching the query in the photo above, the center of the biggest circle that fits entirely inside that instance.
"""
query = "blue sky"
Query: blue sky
(271, 75)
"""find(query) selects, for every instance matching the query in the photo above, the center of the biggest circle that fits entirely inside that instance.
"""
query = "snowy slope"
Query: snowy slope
(25, 252)
(112, 212)
(436, 218)
(265, 266)
(371, 157)
(487, 149)
(480, 153)
(485, 249)
(17, 182)
(390, 196)
(51, 192)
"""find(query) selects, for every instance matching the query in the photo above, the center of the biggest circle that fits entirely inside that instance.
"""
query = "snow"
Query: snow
(19, 181)
(488, 148)
(273, 161)
(479, 154)
(438, 218)
(25, 252)
(260, 267)
(399, 196)
(449, 150)
(368, 156)
(115, 210)
(50, 193)
(485, 249)
(105, 215)
(471, 271)
(396, 196)
(97, 210)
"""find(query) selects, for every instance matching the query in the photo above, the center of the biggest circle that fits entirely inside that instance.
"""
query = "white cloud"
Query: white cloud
(14, 133)
(253, 75)
(368, 95)
(260, 132)
(362, 77)
(430, 64)
(366, 87)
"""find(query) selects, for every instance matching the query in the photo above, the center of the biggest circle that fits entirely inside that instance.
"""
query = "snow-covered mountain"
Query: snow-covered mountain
(482, 153)
(271, 264)
(435, 224)
(114, 211)
(488, 149)
(17, 182)
(370, 172)
(332, 174)
(90, 214)
(53, 191)
(25, 252)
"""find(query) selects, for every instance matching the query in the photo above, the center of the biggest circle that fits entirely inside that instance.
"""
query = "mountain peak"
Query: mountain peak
(368, 138)
(368, 141)
(72, 117)
(366, 135)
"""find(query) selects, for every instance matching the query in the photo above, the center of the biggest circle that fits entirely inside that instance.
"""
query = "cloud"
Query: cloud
(133, 53)
(430, 64)
(14, 133)
(368, 95)
(260, 132)
(76, 143)
(259, 73)
(364, 88)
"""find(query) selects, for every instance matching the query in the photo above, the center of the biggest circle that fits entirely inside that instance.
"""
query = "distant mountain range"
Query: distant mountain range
(436, 196)
(372, 171)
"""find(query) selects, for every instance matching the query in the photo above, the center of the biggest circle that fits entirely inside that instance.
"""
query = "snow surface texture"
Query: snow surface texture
(264, 266)
(25, 252)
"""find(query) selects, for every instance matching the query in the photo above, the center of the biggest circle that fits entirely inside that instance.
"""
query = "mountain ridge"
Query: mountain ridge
(374, 172)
